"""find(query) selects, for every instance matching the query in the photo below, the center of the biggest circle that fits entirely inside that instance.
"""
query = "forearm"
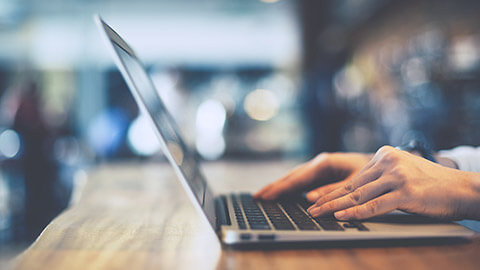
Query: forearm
(469, 205)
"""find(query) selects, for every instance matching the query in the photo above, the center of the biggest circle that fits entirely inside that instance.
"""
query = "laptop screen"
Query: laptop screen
(182, 155)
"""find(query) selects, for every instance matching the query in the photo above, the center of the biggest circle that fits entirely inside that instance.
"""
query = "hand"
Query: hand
(396, 179)
(328, 170)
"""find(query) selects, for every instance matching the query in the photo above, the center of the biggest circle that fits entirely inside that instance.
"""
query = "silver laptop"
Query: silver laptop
(237, 218)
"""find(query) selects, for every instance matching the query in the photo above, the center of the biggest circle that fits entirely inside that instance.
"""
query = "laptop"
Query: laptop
(237, 218)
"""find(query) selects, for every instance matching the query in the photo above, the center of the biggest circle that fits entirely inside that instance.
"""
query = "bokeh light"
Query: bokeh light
(9, 143)
(141, 137)
(210, 120)
(107, 130)
(261, 104)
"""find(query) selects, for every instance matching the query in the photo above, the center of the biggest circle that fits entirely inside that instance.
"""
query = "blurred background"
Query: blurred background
(249, 79)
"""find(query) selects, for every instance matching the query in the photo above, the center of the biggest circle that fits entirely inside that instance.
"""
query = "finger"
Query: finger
(361, 195)
(292, 183)
(369, 165)
(272, 185)
(378, 206)
(300, 178)
(314, 195)
(362, 178)
(262, 191)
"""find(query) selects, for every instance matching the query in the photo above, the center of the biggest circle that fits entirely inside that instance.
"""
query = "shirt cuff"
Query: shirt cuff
(466, 157)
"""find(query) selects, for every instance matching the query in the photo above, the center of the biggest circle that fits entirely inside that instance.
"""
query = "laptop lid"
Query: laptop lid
(181, 157)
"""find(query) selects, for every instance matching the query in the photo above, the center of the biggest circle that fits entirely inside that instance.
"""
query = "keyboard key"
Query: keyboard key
(349, 226)
(329, 224)
(255, 216)
(259, 226)
(355, 224)
(301, 219)
(279, 220)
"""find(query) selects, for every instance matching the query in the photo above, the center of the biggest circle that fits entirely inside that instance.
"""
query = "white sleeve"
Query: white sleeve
(466, 157)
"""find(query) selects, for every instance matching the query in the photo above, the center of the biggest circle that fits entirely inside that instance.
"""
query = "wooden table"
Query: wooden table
(132, 216)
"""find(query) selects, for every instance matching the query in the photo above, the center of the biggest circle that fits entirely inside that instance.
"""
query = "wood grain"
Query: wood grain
(136, 216)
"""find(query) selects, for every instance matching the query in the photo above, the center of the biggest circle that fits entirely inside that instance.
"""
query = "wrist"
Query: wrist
(420, 148)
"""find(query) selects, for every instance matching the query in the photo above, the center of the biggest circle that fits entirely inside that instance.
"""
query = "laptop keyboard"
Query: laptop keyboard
(254, 215)
(283, 215)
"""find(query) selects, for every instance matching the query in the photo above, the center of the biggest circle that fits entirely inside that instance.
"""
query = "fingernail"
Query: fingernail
(312, 196)
(340, 214)
(315, 214)
(311, 207)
